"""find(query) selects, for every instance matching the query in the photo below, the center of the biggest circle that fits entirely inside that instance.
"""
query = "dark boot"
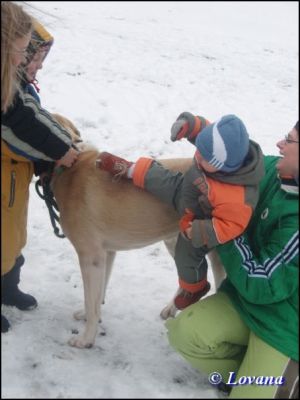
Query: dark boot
(5, 325)
(11, 294)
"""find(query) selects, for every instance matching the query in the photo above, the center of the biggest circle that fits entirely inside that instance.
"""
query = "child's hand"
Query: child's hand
(187, 126)
(188, 232)
(179, 129)
(69, 158)
(185, 223)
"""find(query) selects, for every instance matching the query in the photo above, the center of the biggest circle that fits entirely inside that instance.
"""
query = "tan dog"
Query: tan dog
(92, 219)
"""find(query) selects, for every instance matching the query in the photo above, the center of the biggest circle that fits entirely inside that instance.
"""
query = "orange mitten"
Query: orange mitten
(186, 220)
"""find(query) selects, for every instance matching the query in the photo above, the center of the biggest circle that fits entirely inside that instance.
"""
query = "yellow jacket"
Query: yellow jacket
(16, 175)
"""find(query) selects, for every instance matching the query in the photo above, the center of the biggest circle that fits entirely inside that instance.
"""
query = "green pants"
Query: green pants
(211, 336)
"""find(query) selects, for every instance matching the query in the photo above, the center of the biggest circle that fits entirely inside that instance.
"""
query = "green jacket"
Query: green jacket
(262, 265)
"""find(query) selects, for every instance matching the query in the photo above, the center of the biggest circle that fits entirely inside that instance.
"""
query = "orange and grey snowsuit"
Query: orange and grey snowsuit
(221, 205)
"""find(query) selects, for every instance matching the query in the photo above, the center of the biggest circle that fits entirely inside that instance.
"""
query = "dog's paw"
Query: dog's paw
(79, 315)
(169, 311)
(80, 343)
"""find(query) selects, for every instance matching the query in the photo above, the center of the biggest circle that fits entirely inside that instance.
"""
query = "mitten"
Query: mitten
(187, 126)
(185, 221)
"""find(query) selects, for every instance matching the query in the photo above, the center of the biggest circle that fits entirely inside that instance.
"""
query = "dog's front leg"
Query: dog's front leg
(110, 257)
(93, 275)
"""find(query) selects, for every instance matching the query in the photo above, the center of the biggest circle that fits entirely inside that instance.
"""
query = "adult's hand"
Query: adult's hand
(69, 158)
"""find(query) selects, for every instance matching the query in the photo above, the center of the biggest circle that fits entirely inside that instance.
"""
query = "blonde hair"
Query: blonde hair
(15, 24)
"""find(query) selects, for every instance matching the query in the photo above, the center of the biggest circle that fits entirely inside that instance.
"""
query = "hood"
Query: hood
(40, 39)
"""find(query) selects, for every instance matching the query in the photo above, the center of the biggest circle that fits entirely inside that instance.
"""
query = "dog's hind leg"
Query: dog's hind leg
(170, 245)
(217, 268)
(93, 270)
(170, 309)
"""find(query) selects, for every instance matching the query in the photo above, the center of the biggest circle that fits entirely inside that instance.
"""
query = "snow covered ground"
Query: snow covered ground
(123, 72)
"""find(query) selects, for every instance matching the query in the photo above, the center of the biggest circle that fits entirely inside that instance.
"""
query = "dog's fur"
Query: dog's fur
(100, 217)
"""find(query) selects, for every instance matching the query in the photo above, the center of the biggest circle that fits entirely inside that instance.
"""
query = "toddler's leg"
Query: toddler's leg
(161, 182)
(192, 271)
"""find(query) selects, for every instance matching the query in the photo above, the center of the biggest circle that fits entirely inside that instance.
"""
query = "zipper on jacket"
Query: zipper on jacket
(12, 188)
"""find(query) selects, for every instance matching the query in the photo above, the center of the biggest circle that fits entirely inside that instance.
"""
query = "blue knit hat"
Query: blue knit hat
(224, 144)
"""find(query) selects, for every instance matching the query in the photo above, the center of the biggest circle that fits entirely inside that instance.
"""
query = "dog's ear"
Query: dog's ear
(68, 125)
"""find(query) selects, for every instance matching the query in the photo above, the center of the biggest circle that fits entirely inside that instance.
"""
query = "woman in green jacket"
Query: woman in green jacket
(245, 337)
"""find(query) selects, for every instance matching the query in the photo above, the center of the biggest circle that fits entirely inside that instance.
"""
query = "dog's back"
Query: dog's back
(94, 208)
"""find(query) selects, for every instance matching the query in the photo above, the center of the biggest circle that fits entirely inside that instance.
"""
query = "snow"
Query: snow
(123, 72)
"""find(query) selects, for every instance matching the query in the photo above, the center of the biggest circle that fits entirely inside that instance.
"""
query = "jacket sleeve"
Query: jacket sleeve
(269, 276)
(229, 215)
(33, 130)
(228, 221)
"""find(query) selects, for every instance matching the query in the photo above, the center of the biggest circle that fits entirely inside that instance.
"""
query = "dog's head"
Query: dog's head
(73, 131)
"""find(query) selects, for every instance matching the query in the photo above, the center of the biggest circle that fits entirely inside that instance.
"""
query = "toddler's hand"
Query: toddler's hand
(179, 129)
(188, 232)
(187, 126)
(185, 223)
